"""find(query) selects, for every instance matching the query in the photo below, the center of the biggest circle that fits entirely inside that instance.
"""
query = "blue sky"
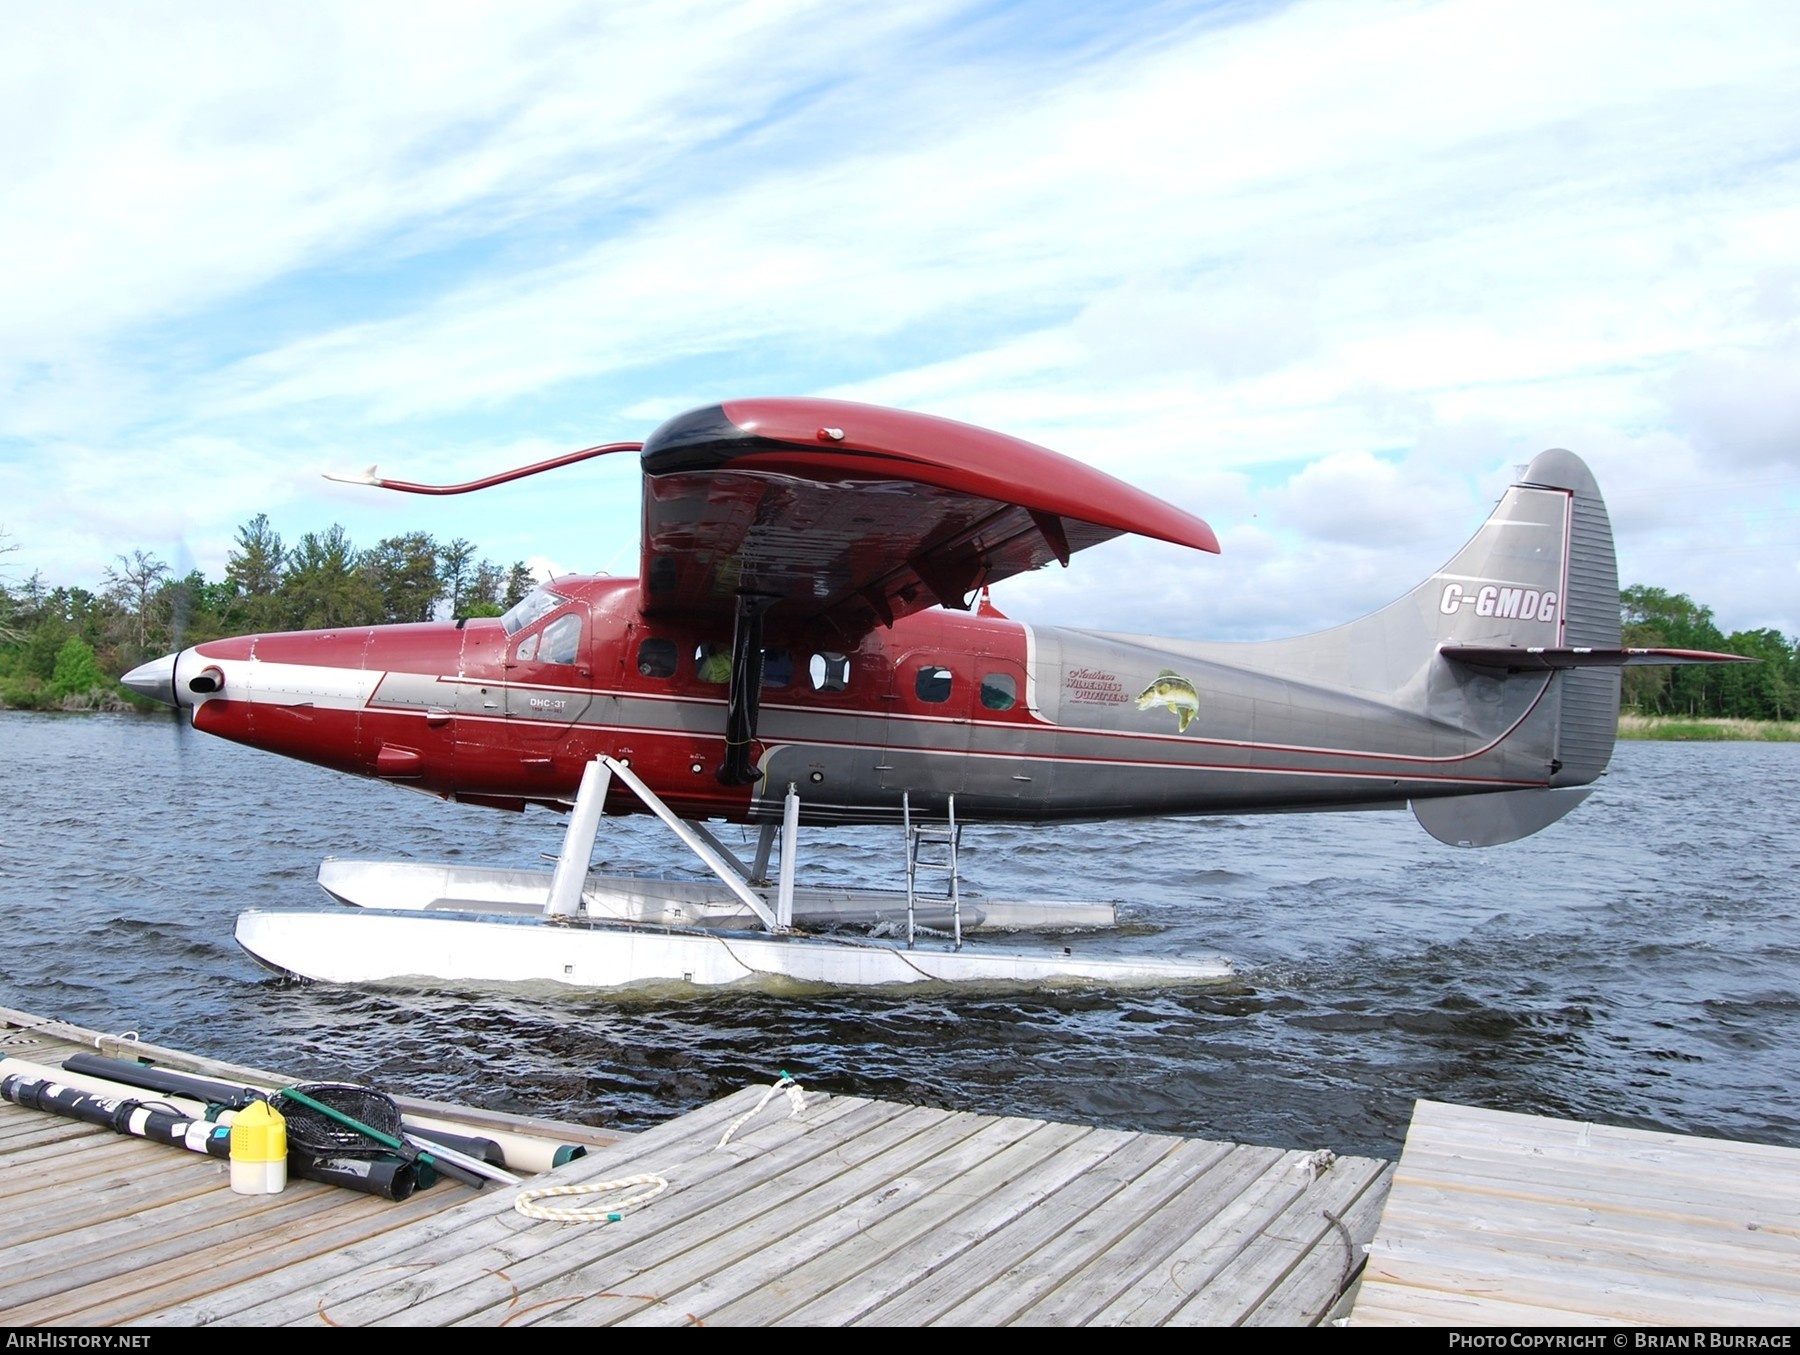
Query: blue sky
(1323, 273)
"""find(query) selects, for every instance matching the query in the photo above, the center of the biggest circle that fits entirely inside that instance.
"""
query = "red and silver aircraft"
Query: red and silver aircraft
(801, 639)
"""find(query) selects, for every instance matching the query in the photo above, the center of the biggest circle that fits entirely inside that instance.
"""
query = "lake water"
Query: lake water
(1636, 964)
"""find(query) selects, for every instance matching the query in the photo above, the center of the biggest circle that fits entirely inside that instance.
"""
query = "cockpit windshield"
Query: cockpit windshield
(534, 606)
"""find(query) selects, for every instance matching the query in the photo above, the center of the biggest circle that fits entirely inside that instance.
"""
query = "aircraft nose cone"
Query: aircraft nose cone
(155, 680)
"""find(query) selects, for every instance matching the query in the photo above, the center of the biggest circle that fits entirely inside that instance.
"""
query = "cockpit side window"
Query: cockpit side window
(562, 639)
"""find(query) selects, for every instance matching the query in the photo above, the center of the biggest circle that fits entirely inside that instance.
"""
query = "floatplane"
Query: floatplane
(808, 643)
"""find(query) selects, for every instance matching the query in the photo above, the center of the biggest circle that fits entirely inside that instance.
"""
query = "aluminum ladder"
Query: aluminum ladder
(922, 841)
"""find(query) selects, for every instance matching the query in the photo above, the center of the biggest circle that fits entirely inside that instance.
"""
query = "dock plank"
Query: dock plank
(742, 1236)
(1319, 1281)
(1268, 1261)
(613, 1271)
(1133, 1263)
(1092, 1212)
(1205, 1255)
(1493, 1214)
(834, 1268)
(390, 1276)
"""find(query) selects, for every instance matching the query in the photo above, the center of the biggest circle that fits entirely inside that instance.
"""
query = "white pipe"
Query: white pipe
(522, 1152)
(578, 841)
(790, 835)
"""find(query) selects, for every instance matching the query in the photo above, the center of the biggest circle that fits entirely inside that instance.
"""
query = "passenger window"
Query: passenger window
(778, 668)
(712, 663)
(656, 658)
(999, 691)
(933, 683)
(562, 639)
(829, 672)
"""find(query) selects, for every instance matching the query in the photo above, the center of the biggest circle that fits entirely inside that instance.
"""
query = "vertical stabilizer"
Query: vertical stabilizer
(1540, 574)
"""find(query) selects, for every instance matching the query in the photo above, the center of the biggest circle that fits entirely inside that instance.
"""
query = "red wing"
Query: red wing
(855, 515)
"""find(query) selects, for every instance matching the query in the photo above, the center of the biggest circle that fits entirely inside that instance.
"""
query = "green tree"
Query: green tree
(456, 575)
(403, 571)
(1766, 689)
(518, 583)
(77, 671)
(322, 587)
(1654, 618)
(487, 589)
(253, 572)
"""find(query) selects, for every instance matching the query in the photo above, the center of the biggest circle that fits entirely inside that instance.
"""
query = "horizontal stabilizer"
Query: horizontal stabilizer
(1501, 816)
(1539, 659)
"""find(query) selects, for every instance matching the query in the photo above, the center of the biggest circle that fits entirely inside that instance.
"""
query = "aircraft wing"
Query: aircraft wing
(854, 515)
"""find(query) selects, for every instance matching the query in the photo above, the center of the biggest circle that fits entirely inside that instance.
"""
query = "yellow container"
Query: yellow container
(258, 1150)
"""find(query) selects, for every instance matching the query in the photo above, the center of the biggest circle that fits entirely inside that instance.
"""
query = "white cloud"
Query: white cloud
(1743, 407)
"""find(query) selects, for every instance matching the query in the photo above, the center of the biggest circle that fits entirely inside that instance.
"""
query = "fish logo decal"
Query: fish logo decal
(1174, 691)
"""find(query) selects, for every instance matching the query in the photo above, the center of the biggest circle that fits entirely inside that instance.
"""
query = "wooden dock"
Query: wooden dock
(850, 1211)
(1496, 1219)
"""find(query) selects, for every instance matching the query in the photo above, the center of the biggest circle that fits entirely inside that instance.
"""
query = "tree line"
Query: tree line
(64, 647)
(1656, 619)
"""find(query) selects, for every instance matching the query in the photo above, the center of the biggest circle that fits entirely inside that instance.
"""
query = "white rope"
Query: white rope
(1316, 1164)
(610, 1212)
(796, 1104)
(525, 1202)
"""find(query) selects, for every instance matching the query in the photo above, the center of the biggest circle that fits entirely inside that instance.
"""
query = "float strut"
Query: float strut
(765, 840)
(695, 843)
(790, 834)
(578, 841)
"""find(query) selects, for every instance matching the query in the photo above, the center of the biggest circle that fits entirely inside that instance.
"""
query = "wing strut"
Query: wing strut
(744, 696)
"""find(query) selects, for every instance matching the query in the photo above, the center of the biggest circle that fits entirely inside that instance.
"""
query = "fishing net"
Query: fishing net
(318, 1133)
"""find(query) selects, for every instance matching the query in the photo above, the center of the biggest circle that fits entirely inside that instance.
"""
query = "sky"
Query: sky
(1325, 274)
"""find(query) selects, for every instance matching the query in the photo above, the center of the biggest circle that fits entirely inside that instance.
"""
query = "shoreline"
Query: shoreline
(1706, 729)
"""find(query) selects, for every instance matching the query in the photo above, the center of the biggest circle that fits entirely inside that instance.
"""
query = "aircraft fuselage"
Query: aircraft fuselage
(1020, 723)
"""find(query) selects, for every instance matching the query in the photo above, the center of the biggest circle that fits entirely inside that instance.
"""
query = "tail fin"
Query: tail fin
(1536, 589)
(1577, 610)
